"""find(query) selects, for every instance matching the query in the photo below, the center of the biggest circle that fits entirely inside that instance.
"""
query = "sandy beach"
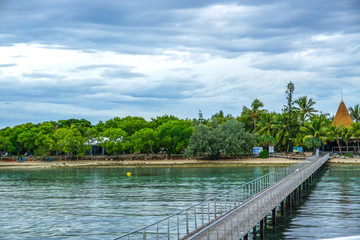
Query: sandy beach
(162, 163)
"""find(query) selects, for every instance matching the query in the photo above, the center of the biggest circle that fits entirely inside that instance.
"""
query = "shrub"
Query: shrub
(264, 154)
(350, 155)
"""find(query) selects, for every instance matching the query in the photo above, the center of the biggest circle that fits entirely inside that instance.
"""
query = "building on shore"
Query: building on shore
(342, 116)
(342, 119)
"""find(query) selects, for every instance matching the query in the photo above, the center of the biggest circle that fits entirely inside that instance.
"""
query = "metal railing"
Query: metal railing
(238, 222)
(187, 221)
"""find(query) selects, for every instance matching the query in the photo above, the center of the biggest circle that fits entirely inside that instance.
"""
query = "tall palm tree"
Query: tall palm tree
(315, 131)
(255, 110)
(355, 113)
(305, 108)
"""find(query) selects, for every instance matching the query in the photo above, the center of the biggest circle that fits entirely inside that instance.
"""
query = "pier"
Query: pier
(233, 214)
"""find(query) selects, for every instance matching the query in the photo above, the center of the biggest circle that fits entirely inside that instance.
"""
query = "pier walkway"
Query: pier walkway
(232, 214)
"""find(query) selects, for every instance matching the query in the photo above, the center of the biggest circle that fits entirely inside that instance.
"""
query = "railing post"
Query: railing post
(208, 211)
(178, 228)
(214, 209)
(157, 231)
(195, 218)
(187, 222)
(168, 228)
(202, 214)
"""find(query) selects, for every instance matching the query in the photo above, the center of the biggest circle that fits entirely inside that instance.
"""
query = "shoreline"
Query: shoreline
(163, 163)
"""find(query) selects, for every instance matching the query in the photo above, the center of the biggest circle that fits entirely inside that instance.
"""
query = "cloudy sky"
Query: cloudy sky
(90, 59)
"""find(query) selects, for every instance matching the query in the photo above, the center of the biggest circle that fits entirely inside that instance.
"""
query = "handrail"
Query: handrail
(317, 164)
(212, 208)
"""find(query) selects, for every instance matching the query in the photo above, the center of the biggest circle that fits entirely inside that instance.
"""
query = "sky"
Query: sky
(97, 60)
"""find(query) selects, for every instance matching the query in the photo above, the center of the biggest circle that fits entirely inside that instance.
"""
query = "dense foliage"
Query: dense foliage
(299, 124)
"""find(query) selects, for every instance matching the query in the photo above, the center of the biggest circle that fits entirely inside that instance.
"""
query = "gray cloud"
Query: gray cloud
(215, 54)
(7, 65)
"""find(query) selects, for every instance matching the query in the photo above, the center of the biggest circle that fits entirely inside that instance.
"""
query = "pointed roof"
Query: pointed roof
(342, 116)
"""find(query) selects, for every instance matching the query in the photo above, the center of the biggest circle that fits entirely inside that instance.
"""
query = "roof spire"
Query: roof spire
(342, 99)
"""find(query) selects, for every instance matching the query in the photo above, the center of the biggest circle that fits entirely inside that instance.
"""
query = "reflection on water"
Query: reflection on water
(104, 202)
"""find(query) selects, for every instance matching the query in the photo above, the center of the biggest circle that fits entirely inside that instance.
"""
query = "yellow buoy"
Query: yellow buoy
(128, 174)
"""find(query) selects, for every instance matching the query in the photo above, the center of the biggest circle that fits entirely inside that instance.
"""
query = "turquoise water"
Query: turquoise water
(103, 203)
(330, 209)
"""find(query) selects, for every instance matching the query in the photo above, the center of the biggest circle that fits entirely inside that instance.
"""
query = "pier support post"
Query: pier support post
(282, 207)
(289, 201)
(262, 229)
(273, 217)
(265, 221)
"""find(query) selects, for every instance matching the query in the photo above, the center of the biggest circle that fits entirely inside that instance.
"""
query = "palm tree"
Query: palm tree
(255, 110)
(335, 133)
(282, 129)
(355, 113)
(355, 129)
(305, 108)
(315, 132)
(265, 124)
(220, 118)
(346, 136)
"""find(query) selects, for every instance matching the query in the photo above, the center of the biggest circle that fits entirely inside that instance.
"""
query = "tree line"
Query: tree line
(298, 124)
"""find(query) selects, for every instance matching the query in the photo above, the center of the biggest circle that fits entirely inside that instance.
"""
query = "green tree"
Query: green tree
(266, 124)
(128, 124)
(291, 116)
(355, 130)
(174, 136)
(335, 133)
(44, 134)
(236, 142)
(230, 138)
(205, 142)
(145, 140)
(315, 133)
(355, 113)
(68, 140)
(346, 136)
(78, 123)
(305, 108)
(114, 140)
(282, 129)
(18, 141)
(4, 140)
(267, 140)
(254, 111)
(160, 120)
(220, 118)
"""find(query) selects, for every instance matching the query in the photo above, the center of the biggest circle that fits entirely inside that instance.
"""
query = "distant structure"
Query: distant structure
(342, 116)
